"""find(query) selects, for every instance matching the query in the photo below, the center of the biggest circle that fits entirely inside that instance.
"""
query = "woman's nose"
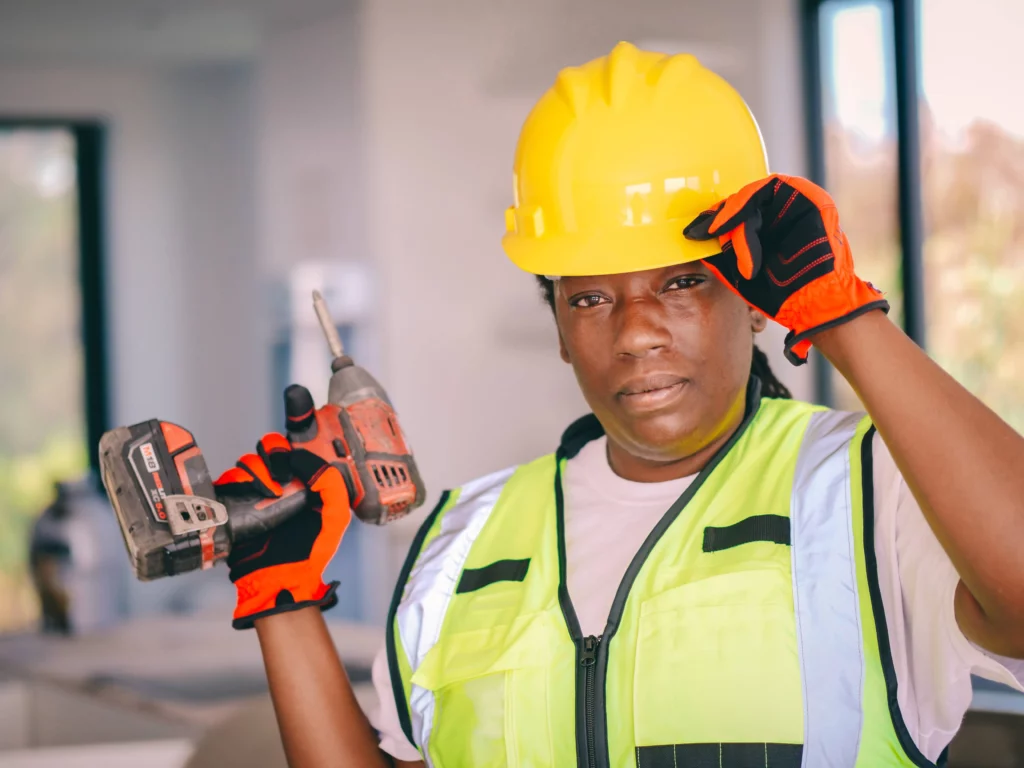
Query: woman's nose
(641, 328)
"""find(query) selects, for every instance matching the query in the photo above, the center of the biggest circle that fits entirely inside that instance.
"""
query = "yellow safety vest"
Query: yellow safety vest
(747, 631)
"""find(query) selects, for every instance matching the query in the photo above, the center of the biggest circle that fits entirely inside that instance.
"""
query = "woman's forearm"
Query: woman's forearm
(964, 465)
(320, 720)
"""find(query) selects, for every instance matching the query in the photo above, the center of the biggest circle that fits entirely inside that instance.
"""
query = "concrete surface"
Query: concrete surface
(162, 684)
(170, 753)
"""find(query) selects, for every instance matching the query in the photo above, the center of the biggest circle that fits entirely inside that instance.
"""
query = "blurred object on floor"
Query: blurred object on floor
(76, 560)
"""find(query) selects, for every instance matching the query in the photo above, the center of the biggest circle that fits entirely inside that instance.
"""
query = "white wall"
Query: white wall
(224, 376)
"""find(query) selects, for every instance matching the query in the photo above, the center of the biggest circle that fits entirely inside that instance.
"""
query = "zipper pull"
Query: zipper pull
(588, 654)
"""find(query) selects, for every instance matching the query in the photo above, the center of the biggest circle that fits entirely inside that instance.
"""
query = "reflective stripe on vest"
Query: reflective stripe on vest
(825, 591)
(432, 583)
(732, 649)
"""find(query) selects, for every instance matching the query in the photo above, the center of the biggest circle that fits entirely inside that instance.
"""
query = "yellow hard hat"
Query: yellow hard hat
(619, 156)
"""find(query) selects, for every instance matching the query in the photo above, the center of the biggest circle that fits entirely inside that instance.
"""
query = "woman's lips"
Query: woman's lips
(651, 393)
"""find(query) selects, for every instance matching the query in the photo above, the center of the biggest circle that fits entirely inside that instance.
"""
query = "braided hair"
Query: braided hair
(770, 385)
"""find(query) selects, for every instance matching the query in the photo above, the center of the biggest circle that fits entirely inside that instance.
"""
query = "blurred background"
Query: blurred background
(175, 177)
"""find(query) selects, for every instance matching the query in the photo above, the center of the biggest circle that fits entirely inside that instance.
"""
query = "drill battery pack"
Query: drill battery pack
(163, 496)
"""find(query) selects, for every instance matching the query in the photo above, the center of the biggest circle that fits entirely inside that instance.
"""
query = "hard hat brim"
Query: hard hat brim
(609, 253)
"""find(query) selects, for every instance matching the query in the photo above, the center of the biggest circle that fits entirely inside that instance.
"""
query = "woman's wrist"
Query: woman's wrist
(289, 622)
(844, 343)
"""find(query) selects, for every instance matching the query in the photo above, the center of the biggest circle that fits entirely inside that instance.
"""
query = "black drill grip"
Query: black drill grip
(246, 520)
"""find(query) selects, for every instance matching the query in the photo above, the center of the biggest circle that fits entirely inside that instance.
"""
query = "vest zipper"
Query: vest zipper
(592, 652)
(588, 660)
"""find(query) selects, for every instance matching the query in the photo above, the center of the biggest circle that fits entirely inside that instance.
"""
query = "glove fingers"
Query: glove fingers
(747, 246)
(742, 206)
(320, 477)
(273, 449)
(818, 196)
(723, 266)
(698, 228)
(260, 474)
(332, 489)
(335, 513)
(234, 478)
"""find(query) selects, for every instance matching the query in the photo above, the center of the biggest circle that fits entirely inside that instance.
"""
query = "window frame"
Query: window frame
(905, 33)
(89, 138)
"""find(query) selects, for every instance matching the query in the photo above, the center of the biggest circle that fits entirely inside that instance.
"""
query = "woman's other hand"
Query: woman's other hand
(784, 253)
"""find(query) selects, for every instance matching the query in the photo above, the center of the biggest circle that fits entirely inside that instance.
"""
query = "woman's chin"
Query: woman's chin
(663, 438)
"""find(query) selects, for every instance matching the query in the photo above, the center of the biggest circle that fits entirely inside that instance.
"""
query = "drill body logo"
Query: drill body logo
(149, 457)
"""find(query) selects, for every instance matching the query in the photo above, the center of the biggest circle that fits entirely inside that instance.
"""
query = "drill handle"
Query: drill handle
(249, 517)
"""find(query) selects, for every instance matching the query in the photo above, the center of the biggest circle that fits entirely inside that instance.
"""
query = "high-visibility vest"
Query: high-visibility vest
(747, 631)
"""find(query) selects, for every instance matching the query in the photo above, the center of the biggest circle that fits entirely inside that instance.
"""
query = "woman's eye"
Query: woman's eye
(586, 301)
(682, 283)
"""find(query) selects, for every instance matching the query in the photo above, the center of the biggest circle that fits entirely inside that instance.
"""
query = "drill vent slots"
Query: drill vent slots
(388, 474)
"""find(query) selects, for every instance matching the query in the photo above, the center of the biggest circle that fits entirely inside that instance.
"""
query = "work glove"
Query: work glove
(785, 254)
(283, 569)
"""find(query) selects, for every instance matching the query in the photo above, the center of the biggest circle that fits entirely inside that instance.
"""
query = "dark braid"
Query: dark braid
(770, 385)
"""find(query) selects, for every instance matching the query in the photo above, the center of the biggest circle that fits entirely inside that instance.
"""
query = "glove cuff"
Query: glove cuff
(799, 344)
(823, 304)
(280, 589)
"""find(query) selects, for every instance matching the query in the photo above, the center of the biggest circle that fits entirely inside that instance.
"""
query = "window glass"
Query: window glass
(42, 424)
(860, 145)
(972, 159)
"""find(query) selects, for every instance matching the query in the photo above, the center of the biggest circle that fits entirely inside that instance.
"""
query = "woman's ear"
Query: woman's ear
(758, 321)
(562, 350)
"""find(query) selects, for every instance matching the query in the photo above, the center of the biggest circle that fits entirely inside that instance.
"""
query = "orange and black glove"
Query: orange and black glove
(283, 570)
(785, 254)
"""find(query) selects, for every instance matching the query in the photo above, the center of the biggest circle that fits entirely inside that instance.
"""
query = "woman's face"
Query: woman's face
(662, 357)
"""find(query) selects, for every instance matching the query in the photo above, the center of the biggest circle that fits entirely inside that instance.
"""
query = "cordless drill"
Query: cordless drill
(170, 515)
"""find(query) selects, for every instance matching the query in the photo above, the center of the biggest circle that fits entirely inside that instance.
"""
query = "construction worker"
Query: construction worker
(705, 572)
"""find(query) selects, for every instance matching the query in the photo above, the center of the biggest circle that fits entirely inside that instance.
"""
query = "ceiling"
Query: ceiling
(171, 32)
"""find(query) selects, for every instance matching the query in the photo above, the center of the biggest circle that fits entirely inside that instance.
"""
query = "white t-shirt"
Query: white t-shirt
(607, 518)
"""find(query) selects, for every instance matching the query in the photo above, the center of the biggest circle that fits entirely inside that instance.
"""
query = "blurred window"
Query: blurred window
(42, 420)
(860, 146)
(972, 167)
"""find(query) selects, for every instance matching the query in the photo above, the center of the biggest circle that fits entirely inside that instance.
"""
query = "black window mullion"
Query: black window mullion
(89, 157)
(911, 208)
(814, 119)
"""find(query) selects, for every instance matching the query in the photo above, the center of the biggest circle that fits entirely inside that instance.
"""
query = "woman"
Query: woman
(705, 572)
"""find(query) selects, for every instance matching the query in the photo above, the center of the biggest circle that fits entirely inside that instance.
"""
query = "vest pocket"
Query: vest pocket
(490, 696)
(717, 663)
